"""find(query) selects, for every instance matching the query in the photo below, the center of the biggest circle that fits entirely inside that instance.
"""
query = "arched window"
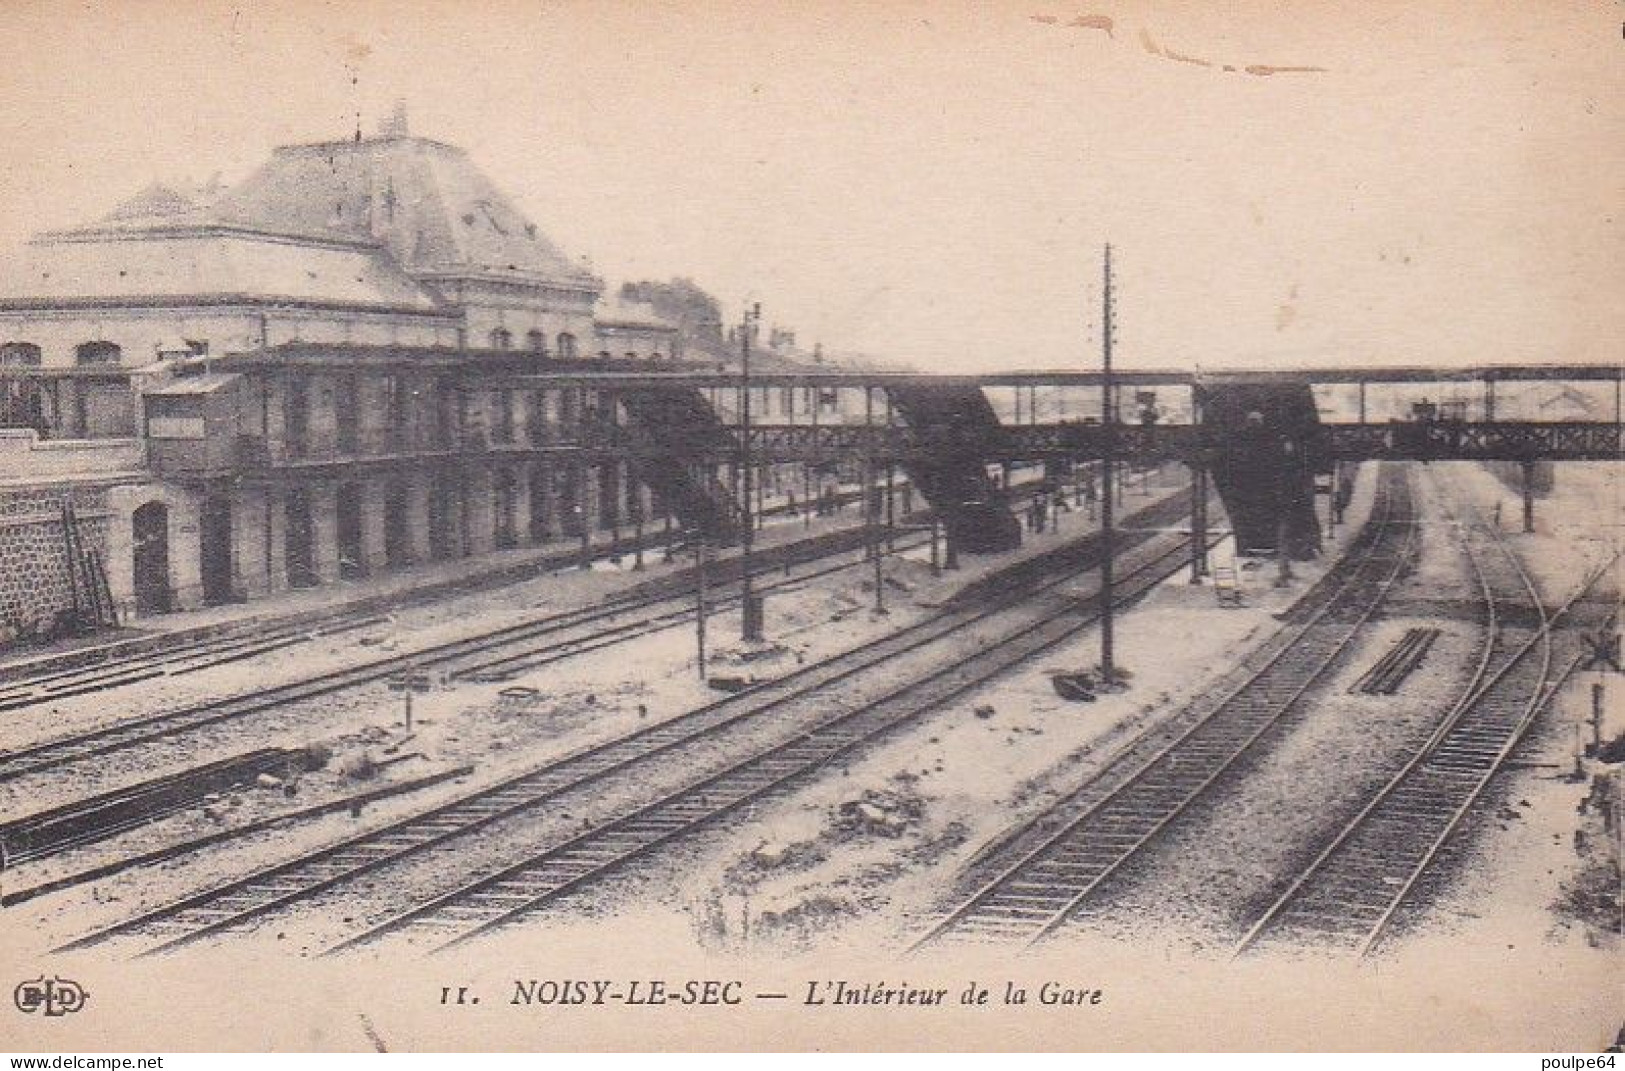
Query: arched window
(654, 356)
(567, 346)
(536, 342)
(603, 355)
(19, 355)
(97, 353)
(501, 339)
(631, 356)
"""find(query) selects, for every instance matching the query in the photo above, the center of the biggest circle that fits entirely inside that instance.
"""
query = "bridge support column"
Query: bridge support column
(639, 508)
(891, 507)
(1528, 470)
(1199, 567)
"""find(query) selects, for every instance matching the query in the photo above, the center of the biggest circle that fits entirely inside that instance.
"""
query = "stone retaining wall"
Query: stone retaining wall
(35, 591)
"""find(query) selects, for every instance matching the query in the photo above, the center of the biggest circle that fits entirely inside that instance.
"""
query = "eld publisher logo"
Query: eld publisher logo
(53, 996)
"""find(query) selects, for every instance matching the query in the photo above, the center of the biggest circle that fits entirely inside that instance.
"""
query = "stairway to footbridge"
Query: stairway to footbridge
(957, 430)
(688, 436)
(1263, 436)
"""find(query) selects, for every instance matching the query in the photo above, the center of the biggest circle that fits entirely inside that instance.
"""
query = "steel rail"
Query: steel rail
(36, 758)
(1054, 900)
(431, 828)
(248, 639)
(1492, 600)
(1445, 776)
(598, 852)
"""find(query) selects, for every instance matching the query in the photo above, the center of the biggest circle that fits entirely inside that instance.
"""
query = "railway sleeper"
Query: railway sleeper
(1051, 874)
(1003, 897)
(1019, 911)
(500, 899)
(460, 912)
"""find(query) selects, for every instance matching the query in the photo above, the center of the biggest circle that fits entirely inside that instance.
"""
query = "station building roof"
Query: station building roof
(204, 263)
(424, 200)
(380, 222)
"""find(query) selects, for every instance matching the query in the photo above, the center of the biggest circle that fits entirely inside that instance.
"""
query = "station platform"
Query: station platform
(386, 593)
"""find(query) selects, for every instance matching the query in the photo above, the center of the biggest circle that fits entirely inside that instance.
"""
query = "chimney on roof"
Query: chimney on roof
(395, 125)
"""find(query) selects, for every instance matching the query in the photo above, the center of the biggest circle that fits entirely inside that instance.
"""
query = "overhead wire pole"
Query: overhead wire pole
(701, 608)
(1108, 449)
(751, 611)
(871, 508)
(1198, 473)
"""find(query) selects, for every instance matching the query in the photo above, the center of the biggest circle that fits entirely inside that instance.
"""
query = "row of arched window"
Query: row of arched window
(27, 355)
(536, 342)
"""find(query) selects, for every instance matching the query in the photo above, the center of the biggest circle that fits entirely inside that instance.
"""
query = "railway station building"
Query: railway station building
(301, 378)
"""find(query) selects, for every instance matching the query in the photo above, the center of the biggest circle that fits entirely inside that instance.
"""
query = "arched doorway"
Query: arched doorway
(352, 560)
(214, 549)
(149, 529)
(572, 511)
(397, 522)
(300, 541)
(445, 522)
(540, 491)
(506, 501)
(609, 496)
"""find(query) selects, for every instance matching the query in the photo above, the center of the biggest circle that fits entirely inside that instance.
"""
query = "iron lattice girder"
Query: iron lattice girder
(1500, 441)
(896, 444)
(608, 380)
(1437, 441)
(1475, 441)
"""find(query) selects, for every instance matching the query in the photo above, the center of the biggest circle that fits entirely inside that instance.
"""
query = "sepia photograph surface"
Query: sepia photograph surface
(713, 526)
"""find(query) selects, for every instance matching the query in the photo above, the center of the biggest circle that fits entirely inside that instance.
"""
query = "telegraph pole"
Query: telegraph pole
(1108, 420)
(751, 611)
(701, 603)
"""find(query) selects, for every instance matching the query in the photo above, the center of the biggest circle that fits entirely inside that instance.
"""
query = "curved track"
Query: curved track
(1347, 897)
(1039, 893)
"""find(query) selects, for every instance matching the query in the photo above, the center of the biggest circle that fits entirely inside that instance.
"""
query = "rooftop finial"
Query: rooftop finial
(395, 125)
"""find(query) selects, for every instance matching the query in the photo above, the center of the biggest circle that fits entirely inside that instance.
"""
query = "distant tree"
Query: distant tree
(697, 314)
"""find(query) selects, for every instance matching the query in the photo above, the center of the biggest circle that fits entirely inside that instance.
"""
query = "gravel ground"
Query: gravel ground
(806, 875)
(1204, 884)
(1509, 876)
(580, 701)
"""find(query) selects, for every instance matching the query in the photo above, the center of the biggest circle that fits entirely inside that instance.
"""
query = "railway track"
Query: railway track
(256, 640)
(488, 655)
(103, 669)
(176, 661)
(1347, 897)
(1039, 893)
(799, 709)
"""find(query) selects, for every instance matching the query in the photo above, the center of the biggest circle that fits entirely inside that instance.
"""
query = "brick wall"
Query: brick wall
(34, 584)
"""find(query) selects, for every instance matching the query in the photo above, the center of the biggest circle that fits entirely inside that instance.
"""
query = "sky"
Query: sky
(933, 183)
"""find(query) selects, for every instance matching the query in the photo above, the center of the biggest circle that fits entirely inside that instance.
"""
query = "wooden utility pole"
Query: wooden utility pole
(701, 607)
(751, 612)
(1108, 465)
